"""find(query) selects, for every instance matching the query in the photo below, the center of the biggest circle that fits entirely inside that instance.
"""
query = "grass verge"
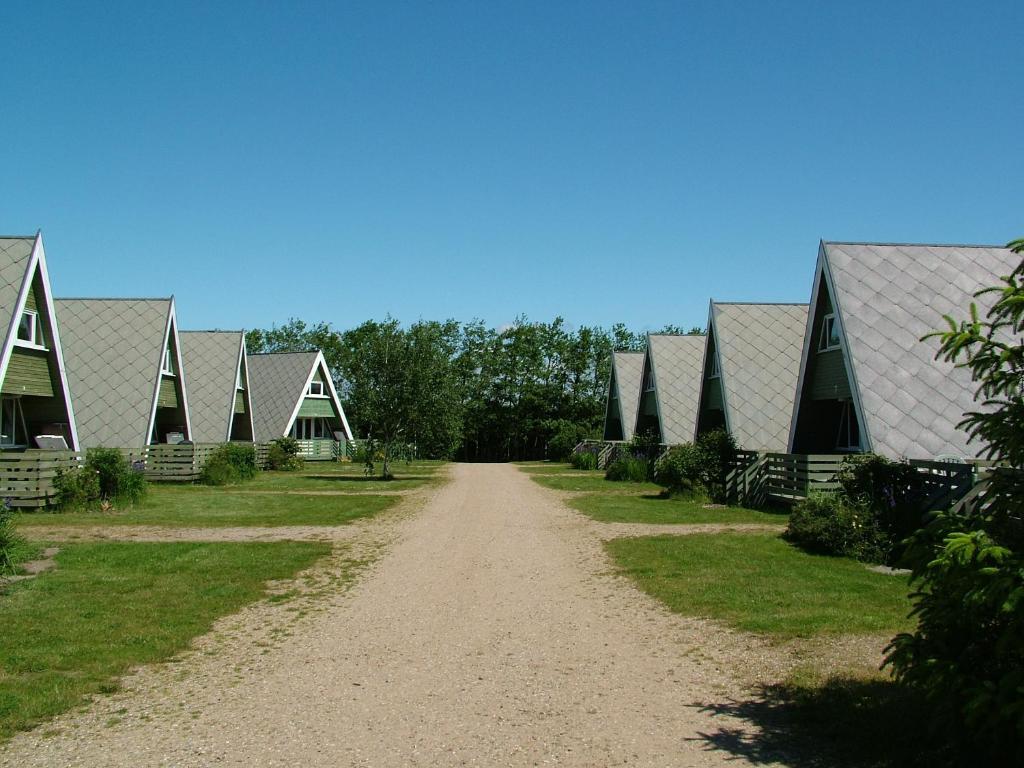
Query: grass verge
(647, 508)
(761, 584)
(592, 482)
(71, 632)
(201, 507)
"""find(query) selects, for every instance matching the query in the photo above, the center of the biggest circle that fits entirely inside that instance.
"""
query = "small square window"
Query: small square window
(316, 389)
(168, 365)
(829, 338)
(28, 328)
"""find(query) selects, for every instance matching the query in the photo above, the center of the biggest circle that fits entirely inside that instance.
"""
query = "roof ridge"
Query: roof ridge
(18, 237)
(113, 298)
(266, 354)
(213, 330)
(762, 303)
(917, 245)
(678, 335)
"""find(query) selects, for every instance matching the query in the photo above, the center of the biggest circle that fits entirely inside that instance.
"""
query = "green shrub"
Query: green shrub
(119, 481)
(230, 463)
(698, 468)
(628, 469)
(566, 435)
(892, 490)
(76, 489)
(584, 460)
(283, 455)
(10, 541)
(830, 524)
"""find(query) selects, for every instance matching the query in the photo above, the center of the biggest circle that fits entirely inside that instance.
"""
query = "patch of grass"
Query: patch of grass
(552, 468)
(71, 632)
(761, 584)
(334, 476)
(593, 482)
(648, 508)
(204, 507)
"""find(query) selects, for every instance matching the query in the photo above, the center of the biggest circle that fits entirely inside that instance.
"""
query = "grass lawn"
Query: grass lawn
(553, 468)
(204, 507)
(592, 482)
(70, 632)
(761, 584)
(652, 509)
(334, 476)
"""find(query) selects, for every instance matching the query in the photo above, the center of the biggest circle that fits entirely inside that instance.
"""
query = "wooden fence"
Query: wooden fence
(26, 479)
(182, 463)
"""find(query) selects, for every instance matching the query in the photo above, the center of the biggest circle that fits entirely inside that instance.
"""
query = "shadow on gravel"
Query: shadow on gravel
(844, 722)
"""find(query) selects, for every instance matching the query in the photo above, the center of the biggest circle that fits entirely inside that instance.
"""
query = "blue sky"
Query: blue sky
(603, 161)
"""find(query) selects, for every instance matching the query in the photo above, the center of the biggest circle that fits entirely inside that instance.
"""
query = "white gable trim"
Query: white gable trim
(170, 326)
(37, 261)
(319, 363)
(243, 360)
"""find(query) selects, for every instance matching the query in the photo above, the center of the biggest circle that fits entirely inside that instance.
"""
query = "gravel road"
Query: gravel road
(490, 632)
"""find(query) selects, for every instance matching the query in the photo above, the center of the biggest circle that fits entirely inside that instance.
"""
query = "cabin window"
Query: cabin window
(316, 389)
(167, 368)
(30, 333)
(311, 429)
(829, 339)
(649, 380)
(848, 438)
(238, 379)
(10, 417)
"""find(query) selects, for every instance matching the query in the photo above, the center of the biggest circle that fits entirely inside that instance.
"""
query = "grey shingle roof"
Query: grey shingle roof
(14, 257)
(888, 297)
(113, 350)
(276, 384)
(677, 363)
(629, 369)
(211, 360)
(759, 348)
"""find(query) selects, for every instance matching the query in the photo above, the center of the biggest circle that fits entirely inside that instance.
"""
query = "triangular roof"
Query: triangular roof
(758, 348)
(212, 359)
(676, 361)
(886, 297)
(278, 382)
(626, 372)
(20, 258)
(114, 353)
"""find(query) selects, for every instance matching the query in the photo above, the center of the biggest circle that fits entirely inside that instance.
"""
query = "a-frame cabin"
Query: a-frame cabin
(670, 388)
(218, 386)
(750, 370)
(867, 380)
(623, 394)
(293, 395)
(124, 364)
(36, 407)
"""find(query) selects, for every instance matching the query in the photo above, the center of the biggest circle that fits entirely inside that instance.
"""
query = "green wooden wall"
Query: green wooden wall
(29, 374)
(168, 397)
(317, 406)
(239, 401)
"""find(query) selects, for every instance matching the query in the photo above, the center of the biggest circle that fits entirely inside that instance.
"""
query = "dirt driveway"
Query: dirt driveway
(490, 633)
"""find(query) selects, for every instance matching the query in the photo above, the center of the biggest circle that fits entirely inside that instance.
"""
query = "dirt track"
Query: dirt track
(491, 632)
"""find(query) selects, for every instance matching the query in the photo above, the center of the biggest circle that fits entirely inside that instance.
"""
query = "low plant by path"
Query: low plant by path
(649, 508)
(202, 507)
(72, 631)
(761, 584)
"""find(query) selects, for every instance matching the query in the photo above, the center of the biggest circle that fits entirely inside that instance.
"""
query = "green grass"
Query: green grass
(198, 506)
(347, 477)
(608, 508)
(71, 632)
(553, 468)
(761, 584)
(592, 482)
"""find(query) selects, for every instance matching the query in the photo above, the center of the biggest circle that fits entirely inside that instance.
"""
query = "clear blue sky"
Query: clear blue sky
(603, 161)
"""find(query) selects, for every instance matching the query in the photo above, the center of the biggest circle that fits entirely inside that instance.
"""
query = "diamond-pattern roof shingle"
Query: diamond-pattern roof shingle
(211, 359)
(277, 382)
(677, 363)
(629, 369)
(15, 253)
(759, 347)
(888, 297)
(113, 350)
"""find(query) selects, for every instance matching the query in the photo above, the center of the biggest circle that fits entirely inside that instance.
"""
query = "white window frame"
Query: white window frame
(649, 381)
(848, 417)
(306, 427)
(715, 373)
(323, 390)
(165, 365)
(36, 331)
(11, 416)
(825, 338)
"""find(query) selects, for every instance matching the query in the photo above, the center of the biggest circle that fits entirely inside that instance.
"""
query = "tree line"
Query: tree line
(462, 389)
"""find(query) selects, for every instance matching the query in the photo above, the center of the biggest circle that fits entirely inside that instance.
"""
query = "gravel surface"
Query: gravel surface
(489, 631)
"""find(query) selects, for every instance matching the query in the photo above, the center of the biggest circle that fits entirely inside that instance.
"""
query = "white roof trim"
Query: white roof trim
(243, 359)
(321, 363)
(170, 325)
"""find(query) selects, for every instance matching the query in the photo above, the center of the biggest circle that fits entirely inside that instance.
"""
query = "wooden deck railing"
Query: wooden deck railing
(26, 478)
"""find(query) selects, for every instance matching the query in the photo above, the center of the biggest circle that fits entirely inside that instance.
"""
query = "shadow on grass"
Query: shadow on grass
(774, 509)
(365, 478)
(844, 722)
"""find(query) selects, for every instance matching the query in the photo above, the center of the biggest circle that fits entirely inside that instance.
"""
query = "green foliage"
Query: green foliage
(891, 490)
(230, 463)
(628, 468)
(967, 651)
(830, 524)
(283, 455)
(105, 477)
(584, 460)
(10, 541)
(565, 436)
(698, 468)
